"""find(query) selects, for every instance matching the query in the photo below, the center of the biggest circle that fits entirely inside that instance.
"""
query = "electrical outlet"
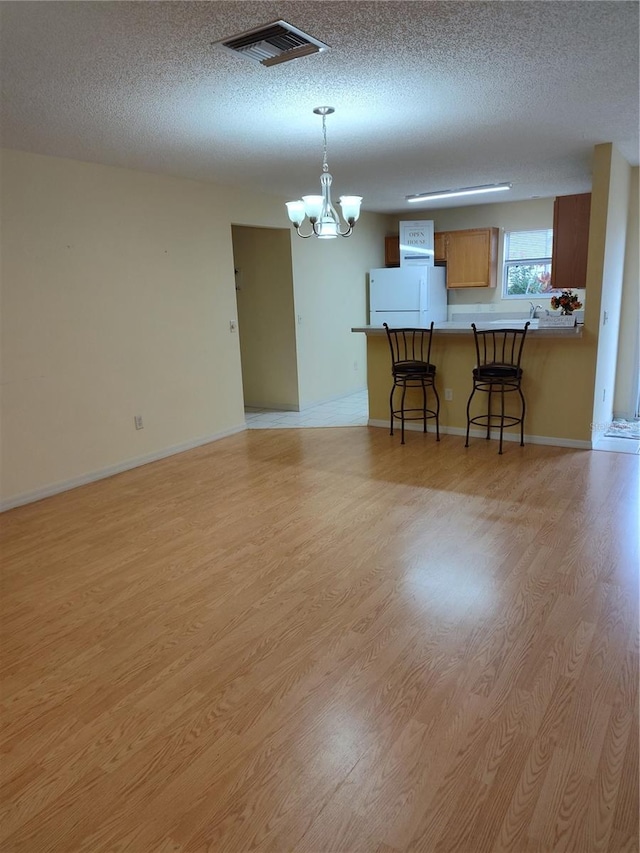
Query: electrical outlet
(448, 394)
(233, 326)
(137, 419)
(355, 365)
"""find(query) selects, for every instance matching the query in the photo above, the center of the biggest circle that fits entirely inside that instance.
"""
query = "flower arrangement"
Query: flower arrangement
(567, 301)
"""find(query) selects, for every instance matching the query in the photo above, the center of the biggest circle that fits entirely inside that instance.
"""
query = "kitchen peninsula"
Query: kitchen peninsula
(559, 403)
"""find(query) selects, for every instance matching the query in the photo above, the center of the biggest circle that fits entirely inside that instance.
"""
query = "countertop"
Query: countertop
(455, 327)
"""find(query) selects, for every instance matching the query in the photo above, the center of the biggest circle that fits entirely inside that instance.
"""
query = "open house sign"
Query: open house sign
(416, 243)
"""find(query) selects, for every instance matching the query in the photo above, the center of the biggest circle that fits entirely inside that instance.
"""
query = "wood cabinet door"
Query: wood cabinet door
(472, 257)
(392, 251)
(440, 245)
(571, 214)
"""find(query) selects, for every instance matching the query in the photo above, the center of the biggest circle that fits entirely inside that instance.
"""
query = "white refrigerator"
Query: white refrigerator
(407, 296)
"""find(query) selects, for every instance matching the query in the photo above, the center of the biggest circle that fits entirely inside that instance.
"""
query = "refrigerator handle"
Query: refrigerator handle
(424, 296)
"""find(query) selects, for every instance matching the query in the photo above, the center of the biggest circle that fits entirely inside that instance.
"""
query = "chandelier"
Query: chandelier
(324, 220)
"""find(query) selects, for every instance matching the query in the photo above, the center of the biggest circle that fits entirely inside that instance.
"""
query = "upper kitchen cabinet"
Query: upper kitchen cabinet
(571, 214)
(472, 257)
(440, 246)
(392, 251)
(440, 239)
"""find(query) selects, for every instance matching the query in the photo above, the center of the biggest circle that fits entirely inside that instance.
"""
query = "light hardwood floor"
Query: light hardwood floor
(320, 641)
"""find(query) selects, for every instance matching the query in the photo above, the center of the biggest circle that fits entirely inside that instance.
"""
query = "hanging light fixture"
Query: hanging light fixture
(324, 220)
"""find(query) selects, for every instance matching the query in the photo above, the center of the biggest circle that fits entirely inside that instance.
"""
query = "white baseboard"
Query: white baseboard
(476, 433)
(103, 473)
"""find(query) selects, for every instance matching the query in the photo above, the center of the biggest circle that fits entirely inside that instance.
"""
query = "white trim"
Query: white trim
(103, 473)
(476, 433)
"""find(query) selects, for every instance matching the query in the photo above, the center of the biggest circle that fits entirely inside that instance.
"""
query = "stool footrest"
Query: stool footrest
(495, 420)
(420, 414)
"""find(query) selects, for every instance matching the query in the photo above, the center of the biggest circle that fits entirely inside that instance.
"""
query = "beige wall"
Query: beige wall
(607, 238)
(626, 393)
(266, 318)
(118, 290)
(331, 298)
(117, 294)
(558, 407)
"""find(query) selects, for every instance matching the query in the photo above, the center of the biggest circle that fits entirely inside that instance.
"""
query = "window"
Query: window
(527, 263)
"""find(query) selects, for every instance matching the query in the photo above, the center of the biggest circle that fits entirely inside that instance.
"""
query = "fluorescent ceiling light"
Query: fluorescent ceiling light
(487, 188)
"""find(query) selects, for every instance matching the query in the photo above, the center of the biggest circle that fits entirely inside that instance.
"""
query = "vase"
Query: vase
(566, 311)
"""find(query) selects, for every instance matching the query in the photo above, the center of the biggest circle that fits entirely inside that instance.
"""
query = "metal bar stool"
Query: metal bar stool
(411, 368)
(498, 355)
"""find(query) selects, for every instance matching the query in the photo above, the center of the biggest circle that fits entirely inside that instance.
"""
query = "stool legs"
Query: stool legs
(426, 412)
(502, 419)
(424, 406)
(404, 394)
(425, 386)
(466, 442)
(393, 388)
(437, 418)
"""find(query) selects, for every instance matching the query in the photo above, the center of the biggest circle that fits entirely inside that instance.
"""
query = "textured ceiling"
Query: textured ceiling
(428, 95)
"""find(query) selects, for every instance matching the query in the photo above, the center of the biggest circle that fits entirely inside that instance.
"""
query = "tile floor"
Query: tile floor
(347, 411)
(623, 436)
(624, 428)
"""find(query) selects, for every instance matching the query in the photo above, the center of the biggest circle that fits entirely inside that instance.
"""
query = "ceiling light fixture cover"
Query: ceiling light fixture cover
(486, 188)
(325, 222)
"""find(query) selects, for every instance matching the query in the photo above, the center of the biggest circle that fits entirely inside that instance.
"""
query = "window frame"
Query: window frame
(508, 263)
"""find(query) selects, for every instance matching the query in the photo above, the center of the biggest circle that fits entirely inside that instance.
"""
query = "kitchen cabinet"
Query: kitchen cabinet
(571, 215)
(472, 257)
(392, 251)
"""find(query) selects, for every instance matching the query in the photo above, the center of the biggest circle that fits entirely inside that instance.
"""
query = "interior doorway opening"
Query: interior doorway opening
(266, 317)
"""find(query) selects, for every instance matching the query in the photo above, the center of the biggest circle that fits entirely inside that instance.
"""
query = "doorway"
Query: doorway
(266, 317)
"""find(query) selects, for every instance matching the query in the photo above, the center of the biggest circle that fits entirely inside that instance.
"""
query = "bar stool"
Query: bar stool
(498, 355)
(411, 368)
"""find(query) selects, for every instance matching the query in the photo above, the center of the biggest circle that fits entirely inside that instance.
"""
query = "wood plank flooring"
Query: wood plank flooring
(319, 641)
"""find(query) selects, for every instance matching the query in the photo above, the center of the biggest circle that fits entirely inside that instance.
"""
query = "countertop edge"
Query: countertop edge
(571, 333)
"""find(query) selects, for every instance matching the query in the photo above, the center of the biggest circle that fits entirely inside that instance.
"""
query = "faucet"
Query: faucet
(533, 312)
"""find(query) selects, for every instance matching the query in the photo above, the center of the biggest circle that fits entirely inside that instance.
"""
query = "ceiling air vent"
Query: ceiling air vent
(273, 43)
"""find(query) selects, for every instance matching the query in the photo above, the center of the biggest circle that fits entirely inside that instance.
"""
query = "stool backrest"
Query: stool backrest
(409, 344)
(499, 346)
